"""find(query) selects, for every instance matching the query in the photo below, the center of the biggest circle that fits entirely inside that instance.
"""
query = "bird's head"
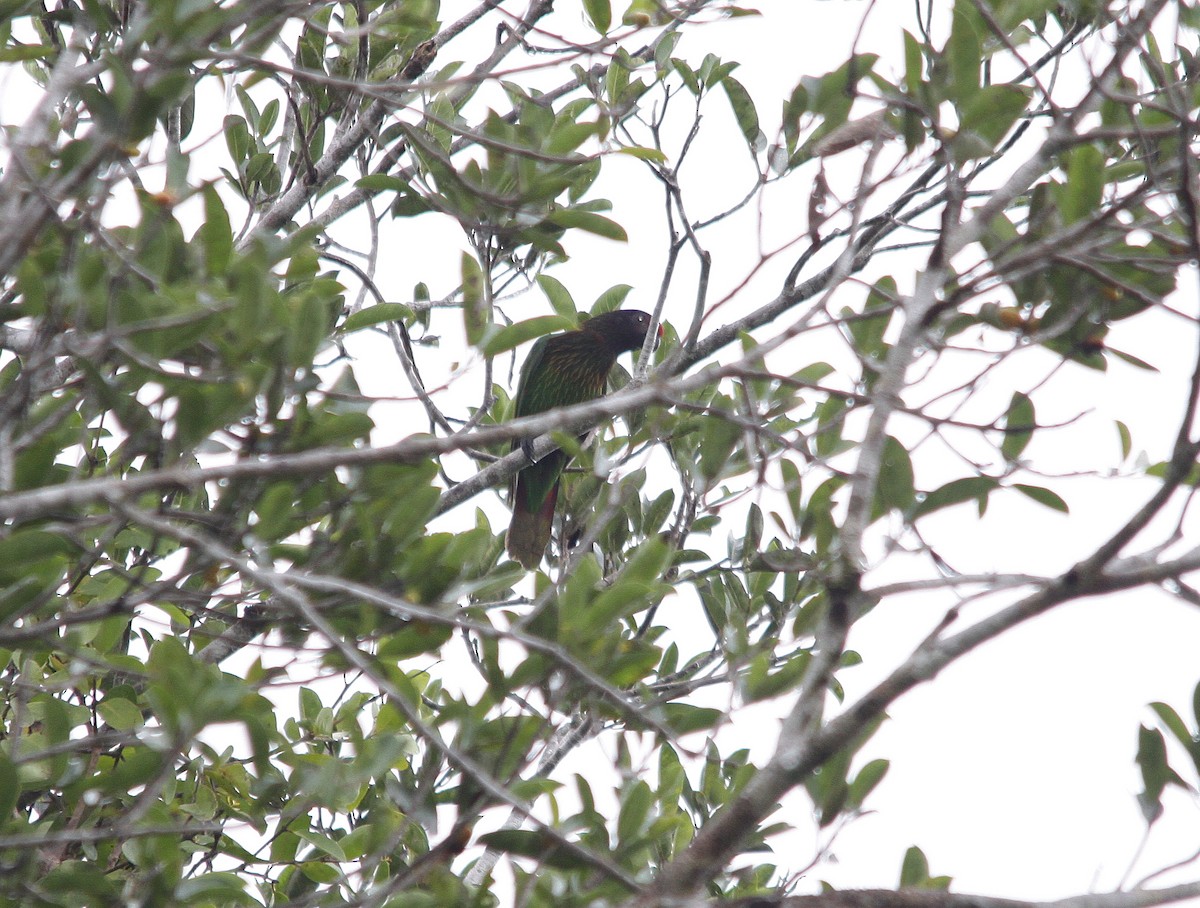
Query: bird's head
(622, 329)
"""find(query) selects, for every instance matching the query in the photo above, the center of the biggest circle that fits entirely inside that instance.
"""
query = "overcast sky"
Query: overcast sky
(1014, 769)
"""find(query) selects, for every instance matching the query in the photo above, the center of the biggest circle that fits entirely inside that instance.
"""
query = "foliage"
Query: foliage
(255, 648)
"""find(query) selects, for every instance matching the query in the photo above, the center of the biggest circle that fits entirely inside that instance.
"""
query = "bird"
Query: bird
(561, 370)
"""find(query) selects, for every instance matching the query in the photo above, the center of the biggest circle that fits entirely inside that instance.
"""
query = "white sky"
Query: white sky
(1014, 769)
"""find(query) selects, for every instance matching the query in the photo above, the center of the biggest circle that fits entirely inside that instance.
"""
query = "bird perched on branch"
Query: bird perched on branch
(562, 369)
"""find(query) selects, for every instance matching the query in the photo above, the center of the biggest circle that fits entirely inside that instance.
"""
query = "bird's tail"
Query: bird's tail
(529, 531)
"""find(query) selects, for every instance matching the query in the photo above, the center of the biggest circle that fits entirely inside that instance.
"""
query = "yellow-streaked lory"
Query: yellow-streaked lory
(562, 369)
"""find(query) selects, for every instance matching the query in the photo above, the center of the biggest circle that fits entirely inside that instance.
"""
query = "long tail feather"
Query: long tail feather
(529, 531)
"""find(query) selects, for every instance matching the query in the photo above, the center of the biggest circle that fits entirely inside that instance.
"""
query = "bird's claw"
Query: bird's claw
(527, 448)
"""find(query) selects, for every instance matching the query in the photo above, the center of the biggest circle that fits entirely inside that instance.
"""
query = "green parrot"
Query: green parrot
(562, 369)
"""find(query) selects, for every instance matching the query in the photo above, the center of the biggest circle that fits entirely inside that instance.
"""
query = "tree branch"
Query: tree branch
(918, 898)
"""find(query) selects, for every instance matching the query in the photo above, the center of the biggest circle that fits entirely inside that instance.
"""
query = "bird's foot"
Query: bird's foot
(527, 448)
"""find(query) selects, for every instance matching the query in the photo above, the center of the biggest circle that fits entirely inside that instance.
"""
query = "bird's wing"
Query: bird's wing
(532, 363)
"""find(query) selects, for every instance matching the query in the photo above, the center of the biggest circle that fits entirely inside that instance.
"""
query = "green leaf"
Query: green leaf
(792, 487)
(248, 106)
(989, 116)
(260, 167)
(1019, 423)
(793, 109)
(1177, 727)
(868, 330)
(813, 373)
(895, 488)
(783, 561)
(914, 871)
(10, 788)
(413, 639)
(382, 182)
(87, 882)
(1132, 360)
(1196, 705)
(1084, 189)
(320, 872)
(1152, 761)
(511, 336)
(914, 58)
(690, 81)
(569, 136)
(17, 54)
(588, 221)
(646, 563)
(25, 547)
(374, 315)
(1162, 469)
(216, 235)
(1126, 439)
(1043, 496)
(137, 767)
(237, 138)
(744, 112)
(531, 843)
(635, 808)
(719, 438)
(621, 599)
(970, 488)
(322, 843)
(683, 718)
(599, 13)
(120, 713)
(818, 516)
(644, 154)
(761, 683)
(610, 299)
(964, 51)
(270, 114)
(865, 782)
(558, 295)
(221, 888)
(475, 314)
(830, 97)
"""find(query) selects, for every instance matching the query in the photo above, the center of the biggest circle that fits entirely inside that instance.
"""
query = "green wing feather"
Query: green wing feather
(530, 367)
(561, 370)
(558, 373)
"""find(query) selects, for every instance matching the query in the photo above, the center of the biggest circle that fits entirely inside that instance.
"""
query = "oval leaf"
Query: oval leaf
(589, 221)
(514, 335)
(1043, 496)
(1019, 423)
(374, 315)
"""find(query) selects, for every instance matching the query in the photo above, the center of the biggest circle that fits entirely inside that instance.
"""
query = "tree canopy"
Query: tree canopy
(268, 272)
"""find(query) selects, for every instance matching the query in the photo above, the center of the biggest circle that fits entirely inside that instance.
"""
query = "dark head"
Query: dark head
(621, 329)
